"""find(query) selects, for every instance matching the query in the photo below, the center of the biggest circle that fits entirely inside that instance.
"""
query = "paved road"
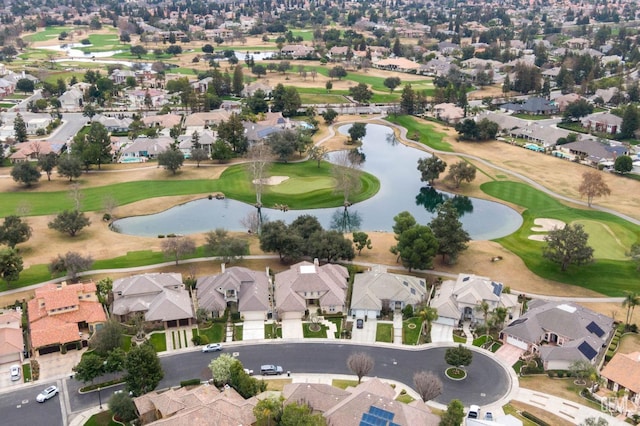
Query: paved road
(19, 407)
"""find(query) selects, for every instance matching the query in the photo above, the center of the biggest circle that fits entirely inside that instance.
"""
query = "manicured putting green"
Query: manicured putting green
(302, 185)
(607, 243)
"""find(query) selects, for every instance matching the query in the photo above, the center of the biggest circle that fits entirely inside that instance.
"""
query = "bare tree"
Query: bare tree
(427, 384)
(177, 247)
(76, 195)
(346, 171)
(259, 158)
(593, 186)
(109, 204)
(71, 263)
(252, 221)
(360, 364)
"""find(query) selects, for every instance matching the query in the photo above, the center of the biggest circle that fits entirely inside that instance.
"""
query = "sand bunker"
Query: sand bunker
(545, 225)
(272, 180)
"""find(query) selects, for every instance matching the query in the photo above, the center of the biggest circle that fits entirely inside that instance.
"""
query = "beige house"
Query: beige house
(451, 113)
(202, 120)
(63, 315)
(11, 343)
(162, 298)
(240, 288)
(623, 373)
(306, 287)
(397, 64)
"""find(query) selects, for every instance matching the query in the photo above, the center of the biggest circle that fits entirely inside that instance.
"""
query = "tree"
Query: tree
(177, 247)
(361, 93)
(47, 163)
(244, 384)
(427, 384)
(10, 265)
(70, 222)
(25, 85)
(20, 128)
(592, 421)
(93, 147)
(232, 132)
(221, 151)
(173, 50)
(25, 172)
(391, 83)
(631, 300)
(417, 246)
(361, 364)
(593, 185)
(578, 109)
(408, 100)
(221, 368)
(14, 231)
(71, 263)
(143, 368)
(430, 168)
(276, 237)
(295, 414)
(428, 315)
(219, 243)
(361, 240)
(69, 166)
(630, 122)
(138, 50)
(283, 143)
(567, 246)
(330, 246)
(458, 356)
(237, 84)
(257, 102)
(199, 155)
(107, 338)
(318, 153)
(582, 370)
(347, 173)
(123, 407)
(447, 229)
(461, 171)
(623, 164)
(329, 115)
(337, 72)
(268, 411)
(454, 414)
(171, 160)
(357, 131)
(89, 368)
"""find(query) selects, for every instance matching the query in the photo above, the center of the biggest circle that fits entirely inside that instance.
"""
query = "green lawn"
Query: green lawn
(540, 205)
(271, 331)
(406, 398)
(158, 341)
(49, 33)
(308, 334)
(479, 341)
(235, 183)
(532, 117)
(26, 372)
(459, 339)
(421, 131)
(101, 419)
(125, 343)
(237, 332)
(375, 83)
(215, 333)
(411, 336)
(323, 98)
(343, 384)
(384, 333)
(307, 35)
(608, 241)
(338, 323)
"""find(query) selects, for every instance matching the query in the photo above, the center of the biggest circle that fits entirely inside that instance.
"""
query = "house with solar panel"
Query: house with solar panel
(458, 301)
(560, 333)
(376, 292)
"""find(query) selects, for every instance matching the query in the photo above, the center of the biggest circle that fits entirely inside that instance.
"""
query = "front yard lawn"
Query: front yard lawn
(338, 323)
(406, 398)
(343, 384)
(411, 331)
(271, 331)
(101, 419)
(237, 332)
(384, 333)
(308, 334)
(214, 333)
(158, 341)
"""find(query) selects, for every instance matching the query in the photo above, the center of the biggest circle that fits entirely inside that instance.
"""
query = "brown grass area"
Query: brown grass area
(629, 343)
(540, 413)
(563, 388)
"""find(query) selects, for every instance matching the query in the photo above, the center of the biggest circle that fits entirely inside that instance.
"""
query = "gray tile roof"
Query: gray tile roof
(251, 287)
(373, 286)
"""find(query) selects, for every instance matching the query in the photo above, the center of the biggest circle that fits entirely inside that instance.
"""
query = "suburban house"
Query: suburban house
(206, 138)
(166, 121)
(273, 122)
(11, 343)
(201, 405)
(560, 333)
(120, 76)
(145, 147)
(33, 150)
(61, 316)
(593, 152)
(146, 98)
(161, 298)
(203, 120)
(397, 64)
(114, 124)
(533, 105)
(297, 51)
(458, 301)
(564, 100)
(238, 288)
(252, 88)
(623, 373)
(602, 122)
(306, 287)
(376, 290)
(71, 100)
(449, 112)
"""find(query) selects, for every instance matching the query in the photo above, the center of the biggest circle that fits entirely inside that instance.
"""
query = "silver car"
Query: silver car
(212, 347)
(15, 372)
(46, 394)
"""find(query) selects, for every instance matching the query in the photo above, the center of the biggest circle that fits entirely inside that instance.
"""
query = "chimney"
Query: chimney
(316, 262)
(222, 268)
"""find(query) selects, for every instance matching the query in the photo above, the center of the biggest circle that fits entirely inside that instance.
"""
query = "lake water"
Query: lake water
(394, 164)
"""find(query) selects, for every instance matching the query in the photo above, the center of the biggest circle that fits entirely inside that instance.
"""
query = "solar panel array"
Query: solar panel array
(587, 350)
(377, 417)
(595, 329)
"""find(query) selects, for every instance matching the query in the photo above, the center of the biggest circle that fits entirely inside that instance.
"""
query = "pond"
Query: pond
(393, 163)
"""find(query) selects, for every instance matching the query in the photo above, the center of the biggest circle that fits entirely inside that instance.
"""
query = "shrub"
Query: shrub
(160, 236)
(197, 340)
(35, 370)
(106, 217)
(235, 316)
(190, 382)
(407, 312)
(528, 415)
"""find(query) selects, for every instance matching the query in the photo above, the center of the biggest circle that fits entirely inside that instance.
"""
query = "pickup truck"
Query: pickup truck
(269, 369)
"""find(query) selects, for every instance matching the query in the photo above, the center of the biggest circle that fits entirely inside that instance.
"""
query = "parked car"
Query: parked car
(488, 416)
(474, 412)
(359, 323)
(15, 372)
(212, 347)
(46, 394)
(270, 370)
(248, 371)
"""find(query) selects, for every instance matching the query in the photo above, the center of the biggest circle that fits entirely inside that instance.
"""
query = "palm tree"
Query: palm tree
(428, 315)
(499, 315)
(484, 308)
(631, 300)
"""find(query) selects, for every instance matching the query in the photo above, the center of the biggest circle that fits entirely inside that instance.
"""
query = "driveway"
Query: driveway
(366, 334)
(509, 354)
(291, 329)
(56, 364)
(5, 376)
(253, 330)
(441, 333)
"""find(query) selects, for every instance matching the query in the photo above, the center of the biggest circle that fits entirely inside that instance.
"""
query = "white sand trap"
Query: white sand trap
(537, 237)
(546, 225)
(272, 180)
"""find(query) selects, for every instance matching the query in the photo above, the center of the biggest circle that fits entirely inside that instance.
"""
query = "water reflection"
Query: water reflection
(345, 221)
(431, 200)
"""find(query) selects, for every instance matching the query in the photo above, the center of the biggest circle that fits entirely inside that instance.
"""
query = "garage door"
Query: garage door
(445, 321)
(517, 343)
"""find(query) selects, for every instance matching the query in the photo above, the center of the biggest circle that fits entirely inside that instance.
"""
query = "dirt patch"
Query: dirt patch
(544, 415)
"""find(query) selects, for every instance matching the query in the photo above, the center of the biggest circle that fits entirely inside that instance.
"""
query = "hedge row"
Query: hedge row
(528, 415)
(190, 382)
